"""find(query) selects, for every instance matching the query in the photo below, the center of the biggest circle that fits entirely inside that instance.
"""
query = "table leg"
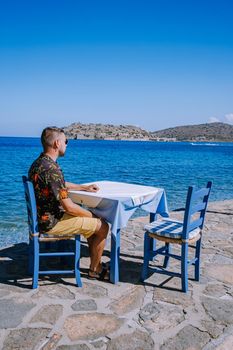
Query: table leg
(115, 257)
(153, 217)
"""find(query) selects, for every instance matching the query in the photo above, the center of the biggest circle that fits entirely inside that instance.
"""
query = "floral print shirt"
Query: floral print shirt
(49, 186)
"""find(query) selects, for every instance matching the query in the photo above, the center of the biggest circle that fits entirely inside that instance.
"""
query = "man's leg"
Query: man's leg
(96, 245)
(73, 225)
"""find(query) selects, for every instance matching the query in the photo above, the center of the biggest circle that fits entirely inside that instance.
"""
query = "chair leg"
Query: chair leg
(167, 258)
(36, 264)
(77, 261)
(152, 247)
(184, 267)
(147, 246)
(197, 263)
(30, 257)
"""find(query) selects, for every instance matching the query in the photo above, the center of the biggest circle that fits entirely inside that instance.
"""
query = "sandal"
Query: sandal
(103, 275)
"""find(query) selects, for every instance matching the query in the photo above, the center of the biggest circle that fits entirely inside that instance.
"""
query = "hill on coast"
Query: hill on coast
(209, 132)
(200, 132)
(106, 132)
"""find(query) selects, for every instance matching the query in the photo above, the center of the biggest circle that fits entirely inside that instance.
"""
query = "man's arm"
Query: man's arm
(88, 188)
(74, 209)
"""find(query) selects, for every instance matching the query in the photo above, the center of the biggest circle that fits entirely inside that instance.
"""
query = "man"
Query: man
(57, 213)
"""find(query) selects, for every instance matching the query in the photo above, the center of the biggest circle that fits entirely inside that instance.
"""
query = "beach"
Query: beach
(129, 315)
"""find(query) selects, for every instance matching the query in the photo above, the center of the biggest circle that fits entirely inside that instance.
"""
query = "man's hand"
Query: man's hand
(92, 188)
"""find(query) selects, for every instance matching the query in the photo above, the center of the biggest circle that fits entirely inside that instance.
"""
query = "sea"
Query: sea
(170, 165)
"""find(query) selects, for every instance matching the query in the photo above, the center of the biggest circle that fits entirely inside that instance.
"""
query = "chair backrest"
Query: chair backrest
(31, 205)
(195, 209)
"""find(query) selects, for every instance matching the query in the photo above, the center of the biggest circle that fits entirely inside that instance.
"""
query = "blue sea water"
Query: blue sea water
(173, 166)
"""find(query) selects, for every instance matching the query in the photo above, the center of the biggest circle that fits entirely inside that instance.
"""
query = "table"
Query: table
(116, 202)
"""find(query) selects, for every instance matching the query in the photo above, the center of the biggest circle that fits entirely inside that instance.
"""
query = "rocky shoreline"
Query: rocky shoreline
(130, 315)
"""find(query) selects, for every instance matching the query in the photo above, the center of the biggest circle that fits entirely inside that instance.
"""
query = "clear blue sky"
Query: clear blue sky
(154, 64)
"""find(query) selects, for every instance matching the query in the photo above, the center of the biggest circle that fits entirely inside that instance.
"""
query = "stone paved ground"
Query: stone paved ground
(130, 315)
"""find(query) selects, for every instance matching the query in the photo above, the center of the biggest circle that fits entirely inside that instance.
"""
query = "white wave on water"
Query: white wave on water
(205, 144)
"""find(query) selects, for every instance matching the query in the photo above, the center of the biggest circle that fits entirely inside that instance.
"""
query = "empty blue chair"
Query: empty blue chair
(187, 233)
(35, 240)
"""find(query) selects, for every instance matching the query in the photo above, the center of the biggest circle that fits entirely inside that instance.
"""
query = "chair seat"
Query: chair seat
(66, 236)
(46, 236)
(49, 237)
(169, 228)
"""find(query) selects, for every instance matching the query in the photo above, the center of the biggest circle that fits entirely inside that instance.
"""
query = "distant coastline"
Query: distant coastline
(210, 132)
(194, 134)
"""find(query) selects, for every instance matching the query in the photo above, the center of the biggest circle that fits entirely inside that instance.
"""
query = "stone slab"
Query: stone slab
(128, 301)
(84, 305)
(212, 328)
(224, 342)
(98, 344)
(221, 310)
(12, 312)
(137, 340)
(48, 314)
(25, 338)
(161, 316)
(173, 297)
(91, 325)
(215, 290)
(188, 338)
(73, 347)
(93, 290)
(54, 291)
(223, 272)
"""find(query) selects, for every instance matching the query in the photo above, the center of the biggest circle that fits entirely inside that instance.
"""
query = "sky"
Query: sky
(150, 63)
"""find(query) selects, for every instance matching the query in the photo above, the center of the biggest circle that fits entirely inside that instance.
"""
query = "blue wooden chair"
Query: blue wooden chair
(36, 239)
(187, 233)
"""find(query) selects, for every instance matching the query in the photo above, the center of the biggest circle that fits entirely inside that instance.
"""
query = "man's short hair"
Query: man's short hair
(49, 135)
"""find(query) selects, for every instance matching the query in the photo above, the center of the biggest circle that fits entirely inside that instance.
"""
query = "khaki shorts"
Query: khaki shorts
(73, 225)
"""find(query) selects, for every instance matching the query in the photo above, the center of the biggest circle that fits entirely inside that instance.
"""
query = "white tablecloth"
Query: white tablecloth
(117, 201)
